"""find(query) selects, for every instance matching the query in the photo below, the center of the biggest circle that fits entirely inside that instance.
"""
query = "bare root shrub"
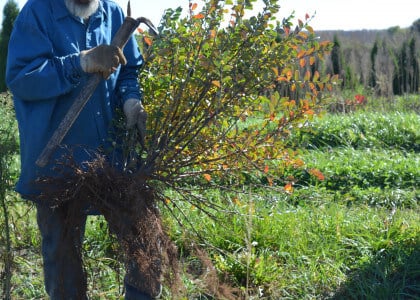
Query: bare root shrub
(129, 206)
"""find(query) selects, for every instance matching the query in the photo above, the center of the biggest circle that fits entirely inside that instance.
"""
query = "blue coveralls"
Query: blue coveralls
(45, 76)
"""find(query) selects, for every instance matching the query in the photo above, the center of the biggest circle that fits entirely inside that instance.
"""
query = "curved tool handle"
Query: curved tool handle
(120, 39)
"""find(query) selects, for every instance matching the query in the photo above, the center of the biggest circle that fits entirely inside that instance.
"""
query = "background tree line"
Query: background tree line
(386, 61)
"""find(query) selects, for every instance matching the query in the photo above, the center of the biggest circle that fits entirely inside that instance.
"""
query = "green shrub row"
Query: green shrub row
(361, 130)
(344, 168)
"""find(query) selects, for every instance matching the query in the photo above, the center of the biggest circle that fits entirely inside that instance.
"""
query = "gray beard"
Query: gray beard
(82, 10)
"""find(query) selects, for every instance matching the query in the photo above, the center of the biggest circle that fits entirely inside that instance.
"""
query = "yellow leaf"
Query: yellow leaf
(297, 74)
(316, 76)
(311, 60)
(310, 29)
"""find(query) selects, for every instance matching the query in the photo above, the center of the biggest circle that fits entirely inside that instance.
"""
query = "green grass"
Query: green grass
(305, 251)
(353, 235)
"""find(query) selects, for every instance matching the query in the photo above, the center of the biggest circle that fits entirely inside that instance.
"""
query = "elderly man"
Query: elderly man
(54, 47)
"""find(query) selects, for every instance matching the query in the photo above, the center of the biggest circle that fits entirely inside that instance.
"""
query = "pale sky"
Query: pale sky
(330, 14)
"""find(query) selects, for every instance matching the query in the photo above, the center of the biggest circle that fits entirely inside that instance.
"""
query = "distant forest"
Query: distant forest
(385, 61)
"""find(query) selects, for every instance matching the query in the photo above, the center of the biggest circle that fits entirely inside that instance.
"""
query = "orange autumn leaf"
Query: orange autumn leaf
(301, 54)
(302, 62)
(307, 76)
(288, 188)
(216, 83)
(317, 173)
(281, 78)
(236, 201)
(266, 169)
(198, 16)
(193, 6)
(272, 117)
(148, 40)
(298, 163)
(212, 33)
(289, 74)
(207, 176)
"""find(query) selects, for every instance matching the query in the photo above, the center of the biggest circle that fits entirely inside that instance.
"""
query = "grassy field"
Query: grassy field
(355, 234)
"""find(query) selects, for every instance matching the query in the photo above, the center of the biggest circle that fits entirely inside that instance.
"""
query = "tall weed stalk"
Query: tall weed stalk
(8, 148)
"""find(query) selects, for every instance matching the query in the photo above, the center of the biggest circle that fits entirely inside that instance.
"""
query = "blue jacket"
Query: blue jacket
(44, 76)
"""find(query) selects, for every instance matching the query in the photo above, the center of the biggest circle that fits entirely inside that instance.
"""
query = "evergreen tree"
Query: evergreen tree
(336, 56)
(402, 82)
(10, 12)
(413, 67)
(373, 54)
(416, 26)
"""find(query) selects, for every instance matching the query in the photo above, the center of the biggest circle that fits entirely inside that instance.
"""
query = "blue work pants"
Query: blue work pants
(64, 275)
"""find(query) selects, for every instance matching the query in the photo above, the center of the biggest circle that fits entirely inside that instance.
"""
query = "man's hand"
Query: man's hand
(136, 116)
(103, 59)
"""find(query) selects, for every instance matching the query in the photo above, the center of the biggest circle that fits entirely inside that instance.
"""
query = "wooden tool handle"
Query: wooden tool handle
(120, 39)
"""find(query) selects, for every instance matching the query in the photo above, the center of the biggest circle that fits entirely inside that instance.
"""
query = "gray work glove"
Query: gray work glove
(136, 116)
(103, 59)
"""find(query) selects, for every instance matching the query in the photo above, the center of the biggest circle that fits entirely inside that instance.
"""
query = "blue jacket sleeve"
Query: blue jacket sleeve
(33, 72)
